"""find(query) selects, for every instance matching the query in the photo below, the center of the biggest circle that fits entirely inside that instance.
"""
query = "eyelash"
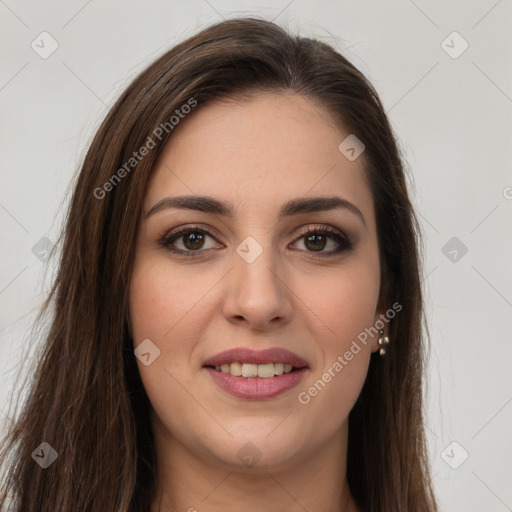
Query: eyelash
(341, 239)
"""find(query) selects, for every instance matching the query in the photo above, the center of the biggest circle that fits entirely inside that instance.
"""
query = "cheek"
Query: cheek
(345, 302)
(159, 303)
(346, 305)
(162, 298)
(170, 305)
(353, 306)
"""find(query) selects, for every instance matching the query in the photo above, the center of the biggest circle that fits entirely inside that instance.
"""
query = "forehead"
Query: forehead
(258, 153)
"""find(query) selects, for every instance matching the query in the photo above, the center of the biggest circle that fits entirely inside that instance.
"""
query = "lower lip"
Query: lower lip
(244, 387)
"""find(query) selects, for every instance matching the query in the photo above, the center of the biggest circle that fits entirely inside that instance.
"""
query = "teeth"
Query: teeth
(263, 371)
(249, 370)
(235, 369)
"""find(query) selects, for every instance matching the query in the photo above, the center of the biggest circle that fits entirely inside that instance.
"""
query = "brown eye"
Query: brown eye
(187, 241)
(315, 242)
(193, 240)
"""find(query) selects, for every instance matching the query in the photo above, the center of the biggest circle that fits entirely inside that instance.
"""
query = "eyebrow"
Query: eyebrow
(297, 206)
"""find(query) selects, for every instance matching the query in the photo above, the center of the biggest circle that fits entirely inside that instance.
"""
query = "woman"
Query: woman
(237, 313)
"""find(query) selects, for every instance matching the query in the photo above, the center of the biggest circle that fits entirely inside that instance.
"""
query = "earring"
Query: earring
(383, 342)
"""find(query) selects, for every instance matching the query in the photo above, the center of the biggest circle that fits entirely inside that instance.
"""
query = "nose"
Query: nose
(257, 294)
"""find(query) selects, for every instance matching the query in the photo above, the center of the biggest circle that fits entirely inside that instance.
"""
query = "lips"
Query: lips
(256, 374)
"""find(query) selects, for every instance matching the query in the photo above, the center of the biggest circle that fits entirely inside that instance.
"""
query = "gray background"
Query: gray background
(453, 118)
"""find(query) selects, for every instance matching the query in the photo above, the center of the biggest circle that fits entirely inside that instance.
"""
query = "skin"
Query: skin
(256, 153)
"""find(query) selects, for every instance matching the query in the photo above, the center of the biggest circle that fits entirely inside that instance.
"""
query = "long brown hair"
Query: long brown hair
(87, 400)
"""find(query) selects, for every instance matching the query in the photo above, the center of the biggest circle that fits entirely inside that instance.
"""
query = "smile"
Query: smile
(259, 371)
(256, 374)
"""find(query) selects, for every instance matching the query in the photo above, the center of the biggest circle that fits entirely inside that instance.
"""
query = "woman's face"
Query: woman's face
(252, 279)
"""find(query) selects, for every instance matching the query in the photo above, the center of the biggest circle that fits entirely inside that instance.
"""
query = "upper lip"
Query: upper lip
(250, 356)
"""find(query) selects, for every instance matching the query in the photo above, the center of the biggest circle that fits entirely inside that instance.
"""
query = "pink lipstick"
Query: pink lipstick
(256, 374)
